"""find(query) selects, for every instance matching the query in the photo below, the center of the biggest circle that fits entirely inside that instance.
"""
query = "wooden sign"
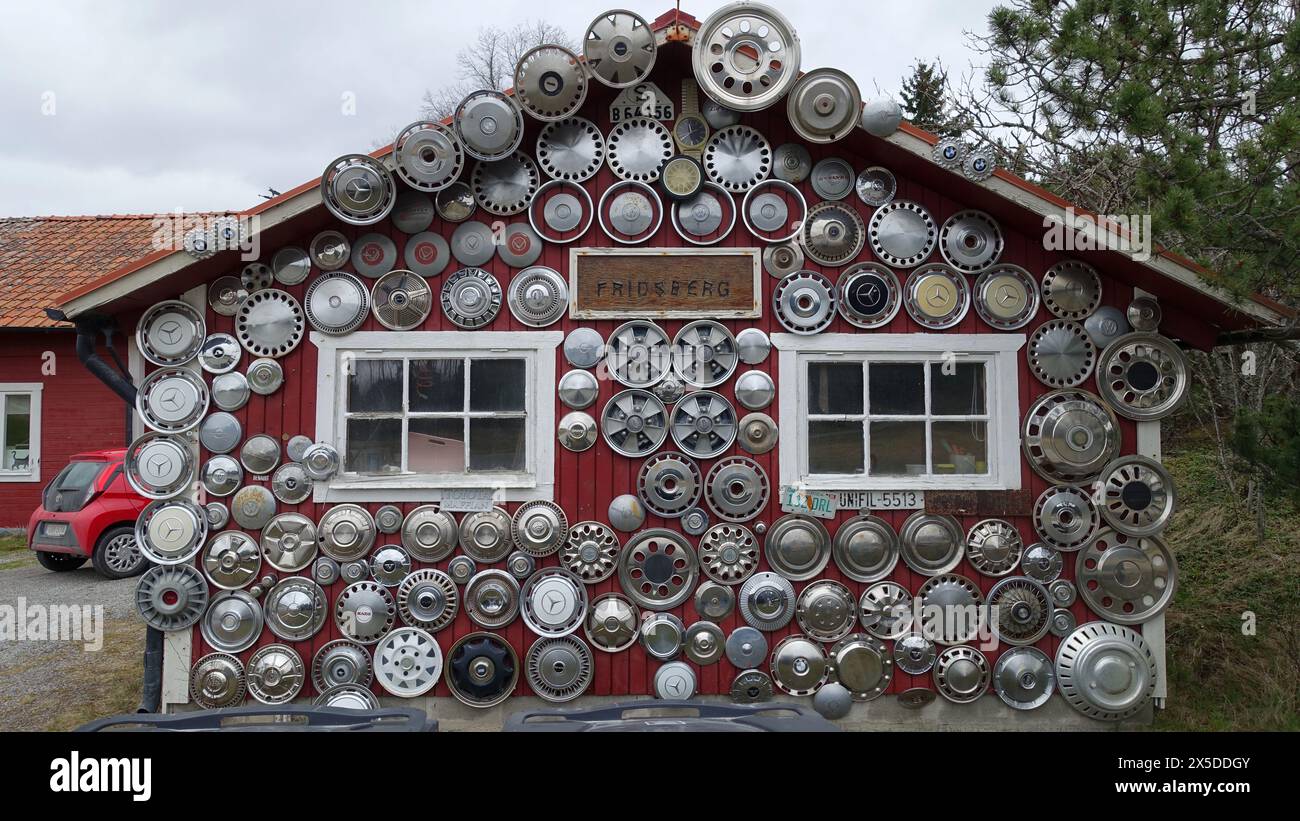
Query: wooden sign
(979, 502)
(664, 283)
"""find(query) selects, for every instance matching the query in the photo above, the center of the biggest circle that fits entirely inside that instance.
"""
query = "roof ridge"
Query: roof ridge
(116, 217)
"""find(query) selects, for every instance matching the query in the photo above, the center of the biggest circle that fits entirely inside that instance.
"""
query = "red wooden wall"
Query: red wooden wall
(78, 413)
(586, 482)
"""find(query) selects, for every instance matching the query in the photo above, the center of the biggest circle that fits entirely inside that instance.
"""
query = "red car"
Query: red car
(89, 512)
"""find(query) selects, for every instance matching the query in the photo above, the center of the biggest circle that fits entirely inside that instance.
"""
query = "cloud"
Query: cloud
(203, 106)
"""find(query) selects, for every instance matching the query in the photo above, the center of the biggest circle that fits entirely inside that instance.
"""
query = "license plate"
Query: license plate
(882, 499)
(808, 502)
(55, 530)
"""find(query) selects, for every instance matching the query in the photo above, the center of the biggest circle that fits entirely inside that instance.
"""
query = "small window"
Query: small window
(921, 418)
(416, 416)
(430, 411)
(880, 411)
(20, 408)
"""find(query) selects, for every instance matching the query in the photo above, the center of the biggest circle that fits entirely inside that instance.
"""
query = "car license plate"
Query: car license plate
(56, 530)
(882, 499)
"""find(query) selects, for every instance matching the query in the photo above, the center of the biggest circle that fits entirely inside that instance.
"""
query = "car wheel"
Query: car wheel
(59, 562)
(117, 556)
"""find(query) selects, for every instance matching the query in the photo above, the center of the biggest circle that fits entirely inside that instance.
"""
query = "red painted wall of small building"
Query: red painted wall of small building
(77, 412)
(587, 482)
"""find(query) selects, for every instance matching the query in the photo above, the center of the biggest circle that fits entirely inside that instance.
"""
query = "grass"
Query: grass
(12, 544)
(1221, 678)
(89, 686)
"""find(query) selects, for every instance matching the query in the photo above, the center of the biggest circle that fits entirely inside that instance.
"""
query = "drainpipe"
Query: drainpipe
(119, 382)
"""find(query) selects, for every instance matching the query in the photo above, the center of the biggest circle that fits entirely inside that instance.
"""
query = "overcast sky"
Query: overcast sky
(140, 106)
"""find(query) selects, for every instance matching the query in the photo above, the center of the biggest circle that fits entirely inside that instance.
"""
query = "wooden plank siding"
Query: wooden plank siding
(586, 482)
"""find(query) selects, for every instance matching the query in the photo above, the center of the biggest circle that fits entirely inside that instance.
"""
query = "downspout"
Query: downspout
(119, 382)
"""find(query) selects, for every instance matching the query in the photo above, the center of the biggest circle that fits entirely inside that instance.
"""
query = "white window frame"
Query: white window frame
(538, 348)
(33, 391)
(999, 352)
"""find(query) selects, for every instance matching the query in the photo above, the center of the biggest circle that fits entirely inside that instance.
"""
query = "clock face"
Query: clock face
(682, 177)
(691, 131)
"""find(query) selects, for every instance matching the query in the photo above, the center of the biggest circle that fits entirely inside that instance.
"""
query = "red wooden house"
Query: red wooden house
(52, 407)
(887, 387)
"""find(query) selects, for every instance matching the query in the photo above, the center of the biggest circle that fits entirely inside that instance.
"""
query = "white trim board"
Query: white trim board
(329, 388)
(999, 351)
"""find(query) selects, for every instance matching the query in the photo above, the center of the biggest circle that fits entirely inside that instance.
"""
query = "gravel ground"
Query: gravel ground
(60, 684)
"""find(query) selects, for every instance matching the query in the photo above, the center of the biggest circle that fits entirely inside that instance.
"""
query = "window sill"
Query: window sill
(19, 477)
(413, 489)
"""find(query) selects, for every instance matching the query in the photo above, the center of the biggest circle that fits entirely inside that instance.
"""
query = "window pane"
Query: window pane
(835, 447)
(959, 394)
(898, 448)
(497, 384)
(17, 433)
(835, 387)
(437, 385)
(897, 388)
(435, 446)
(497, 444)
(375, 386)
(960, 447)
(374, 446)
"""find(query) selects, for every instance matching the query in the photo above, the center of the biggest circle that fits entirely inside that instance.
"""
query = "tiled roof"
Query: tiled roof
(43, 257)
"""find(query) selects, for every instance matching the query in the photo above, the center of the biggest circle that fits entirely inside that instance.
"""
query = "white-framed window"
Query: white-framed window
(900, 411)
(417, 414)
(20, 431)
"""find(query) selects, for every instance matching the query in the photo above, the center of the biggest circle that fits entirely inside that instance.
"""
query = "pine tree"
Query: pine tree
(925, 98)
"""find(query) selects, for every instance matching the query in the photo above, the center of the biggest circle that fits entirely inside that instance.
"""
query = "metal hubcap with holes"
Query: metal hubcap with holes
(960, 608)
(704, 424)
(1071, 289)
(1143, 376)
(1105, 671)
(634, 422)
(1136, 494)
(427, 598)
(704, 353)
(961, 674)
(670, 484)
(746, 56)
(826, 610)
(885, 610)
(591, 551)
(171, 598)
(728, 553)
(1126, 579)
(408, 662)
(638, 353)
(658, 569)
(993, 547)
(365, 611)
